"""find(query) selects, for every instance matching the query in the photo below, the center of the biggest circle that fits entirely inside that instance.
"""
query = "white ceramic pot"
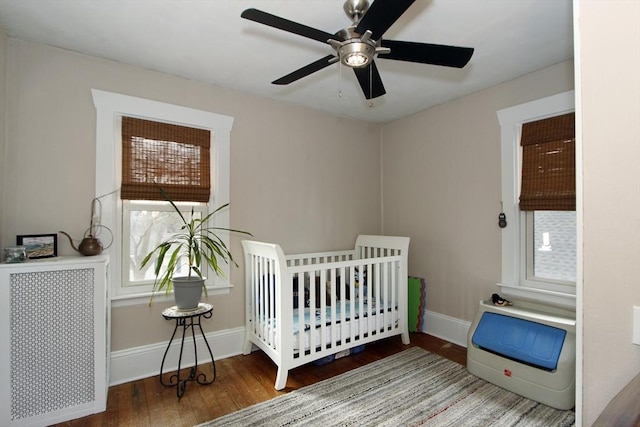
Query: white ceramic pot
(187, 292)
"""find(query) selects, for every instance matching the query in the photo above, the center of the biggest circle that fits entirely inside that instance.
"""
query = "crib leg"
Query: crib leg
(281, 378)
(248, 346)
(405, 338)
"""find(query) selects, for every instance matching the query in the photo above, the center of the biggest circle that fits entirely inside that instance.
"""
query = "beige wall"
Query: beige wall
(3, 122)
(305, 179)
(609, 55)
(442, 187)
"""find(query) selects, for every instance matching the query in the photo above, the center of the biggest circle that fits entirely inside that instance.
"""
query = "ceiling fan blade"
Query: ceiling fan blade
(370, 81)
(381, 15)
(425, 53)
(286, 25)
(306, 70)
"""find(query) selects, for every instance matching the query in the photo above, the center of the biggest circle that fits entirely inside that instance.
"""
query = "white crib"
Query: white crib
(301, 308)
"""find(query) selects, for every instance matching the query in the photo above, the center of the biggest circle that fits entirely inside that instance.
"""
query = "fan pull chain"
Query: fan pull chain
(371, 85)
(340, 80)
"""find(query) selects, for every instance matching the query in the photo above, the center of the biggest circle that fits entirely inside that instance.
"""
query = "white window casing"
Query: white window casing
(513, 278)
(110, 107)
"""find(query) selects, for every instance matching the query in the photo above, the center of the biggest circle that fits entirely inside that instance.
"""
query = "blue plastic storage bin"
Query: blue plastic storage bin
(521, 340)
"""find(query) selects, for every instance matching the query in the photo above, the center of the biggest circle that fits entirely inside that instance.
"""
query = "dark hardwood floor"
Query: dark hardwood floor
(241, 382)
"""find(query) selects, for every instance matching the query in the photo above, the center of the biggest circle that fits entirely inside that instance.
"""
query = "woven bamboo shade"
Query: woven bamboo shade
(175, 157)
(549, 164)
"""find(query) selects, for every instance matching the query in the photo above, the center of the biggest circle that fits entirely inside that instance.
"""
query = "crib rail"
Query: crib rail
(319, 257)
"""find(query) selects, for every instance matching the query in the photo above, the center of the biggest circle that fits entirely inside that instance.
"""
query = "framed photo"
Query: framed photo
(39, 245)
(15, 254)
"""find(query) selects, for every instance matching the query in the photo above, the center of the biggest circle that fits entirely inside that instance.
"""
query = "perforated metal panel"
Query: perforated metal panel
(52, 341)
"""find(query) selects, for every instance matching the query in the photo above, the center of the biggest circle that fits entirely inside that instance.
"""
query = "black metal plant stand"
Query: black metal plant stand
(187, 320)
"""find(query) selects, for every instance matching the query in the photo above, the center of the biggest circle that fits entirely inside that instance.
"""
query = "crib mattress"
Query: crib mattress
(375, 317)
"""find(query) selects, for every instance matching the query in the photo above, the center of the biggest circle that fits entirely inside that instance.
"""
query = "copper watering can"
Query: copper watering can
(90, 244)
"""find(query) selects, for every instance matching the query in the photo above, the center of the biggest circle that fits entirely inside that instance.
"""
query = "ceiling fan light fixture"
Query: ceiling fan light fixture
(356, 55)
(358, 45)
(356, 60)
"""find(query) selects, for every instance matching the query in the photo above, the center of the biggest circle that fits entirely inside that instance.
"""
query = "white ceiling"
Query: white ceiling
(207, 40)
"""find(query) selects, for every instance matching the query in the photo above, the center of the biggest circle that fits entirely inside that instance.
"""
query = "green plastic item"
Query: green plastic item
(417, 299)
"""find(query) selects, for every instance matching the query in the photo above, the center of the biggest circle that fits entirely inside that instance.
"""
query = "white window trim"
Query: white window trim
(109, 108)
(511, 120)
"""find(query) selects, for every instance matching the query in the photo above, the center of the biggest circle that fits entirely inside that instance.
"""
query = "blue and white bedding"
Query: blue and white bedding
(329, 314)
(373, 318)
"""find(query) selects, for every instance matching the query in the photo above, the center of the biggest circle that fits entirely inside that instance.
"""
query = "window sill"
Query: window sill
(566, 301)
(143, 298)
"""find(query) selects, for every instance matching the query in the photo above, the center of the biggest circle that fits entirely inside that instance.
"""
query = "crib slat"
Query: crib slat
(394, 295)
(311, 279)
(383, 301)
(379, 301)
(271, 274)
(373, 298)
(260, 296)
(359, 296)
(323, 309)
(301, 329)
(386, 317)
(334, 302)
(346, 304)
(251, 263)
(352, 304)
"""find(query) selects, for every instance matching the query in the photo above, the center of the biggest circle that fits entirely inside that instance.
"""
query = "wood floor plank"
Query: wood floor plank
(241, 382)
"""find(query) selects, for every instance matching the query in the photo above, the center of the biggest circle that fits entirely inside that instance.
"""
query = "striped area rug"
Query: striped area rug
(410, 388)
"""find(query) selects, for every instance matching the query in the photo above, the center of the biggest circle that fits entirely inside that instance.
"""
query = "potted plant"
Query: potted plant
(199, 245)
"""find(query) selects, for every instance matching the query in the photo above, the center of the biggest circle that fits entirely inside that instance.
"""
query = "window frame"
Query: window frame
(110, 107)
(514, 237)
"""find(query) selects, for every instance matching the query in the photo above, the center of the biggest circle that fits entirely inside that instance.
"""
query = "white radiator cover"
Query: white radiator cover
(53, 325)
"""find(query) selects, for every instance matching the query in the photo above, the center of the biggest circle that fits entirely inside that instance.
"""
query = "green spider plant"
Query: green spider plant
(196, 242)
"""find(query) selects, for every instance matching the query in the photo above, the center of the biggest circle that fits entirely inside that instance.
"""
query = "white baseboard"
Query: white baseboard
(447, 328)
(144, 361)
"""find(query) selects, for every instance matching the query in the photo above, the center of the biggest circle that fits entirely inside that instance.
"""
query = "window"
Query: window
(121, 216)
(552, 254)
(539, 242)
(175, 158)
(145, 225)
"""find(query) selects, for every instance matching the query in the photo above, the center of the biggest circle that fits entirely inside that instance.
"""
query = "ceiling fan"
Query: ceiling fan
(359, 44)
